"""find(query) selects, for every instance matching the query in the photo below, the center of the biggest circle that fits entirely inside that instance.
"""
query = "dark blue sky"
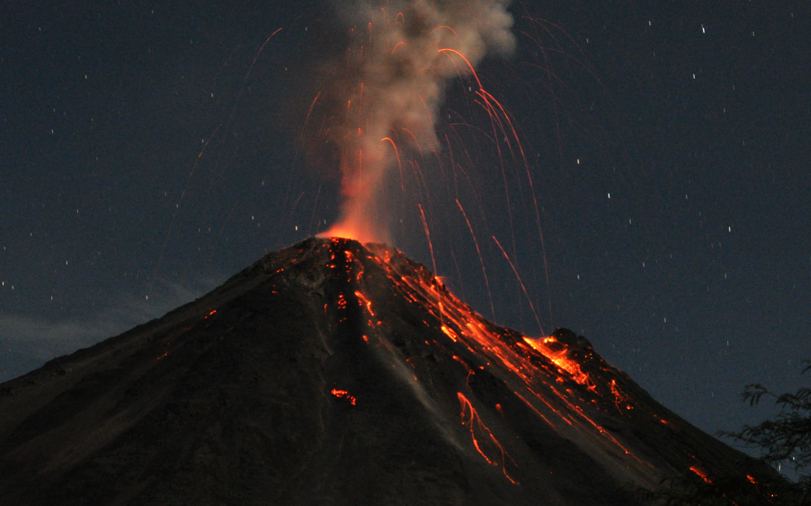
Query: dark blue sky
(669, 142)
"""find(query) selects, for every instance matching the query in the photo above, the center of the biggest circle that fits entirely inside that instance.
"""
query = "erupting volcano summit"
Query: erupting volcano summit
(333, 373)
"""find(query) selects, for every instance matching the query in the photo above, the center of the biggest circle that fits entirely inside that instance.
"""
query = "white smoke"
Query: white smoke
(403, 52)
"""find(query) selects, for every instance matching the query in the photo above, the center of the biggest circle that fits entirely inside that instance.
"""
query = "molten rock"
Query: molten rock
(329, 373)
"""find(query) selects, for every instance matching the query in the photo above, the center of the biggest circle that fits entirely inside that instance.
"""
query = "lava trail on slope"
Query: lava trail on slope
(333, 373)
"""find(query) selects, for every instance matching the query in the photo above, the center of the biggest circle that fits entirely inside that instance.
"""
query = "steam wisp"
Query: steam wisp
(401, 55)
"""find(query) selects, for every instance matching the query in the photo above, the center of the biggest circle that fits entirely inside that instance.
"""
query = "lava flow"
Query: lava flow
(344, 394)
(547, 375)
(471, 419)
(350, 375)
(557, 380)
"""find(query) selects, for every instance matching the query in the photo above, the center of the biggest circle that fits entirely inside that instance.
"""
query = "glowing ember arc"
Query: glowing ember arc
(701, 474)
(472, 421)
(345, 395)
(494, 351)
(365, 302)
(393, 81)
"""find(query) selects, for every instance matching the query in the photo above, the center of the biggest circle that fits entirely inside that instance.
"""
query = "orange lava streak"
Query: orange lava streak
(490, 99)
(481, 259)
(520, 282)
(344, 394)
(411, 136)
(312, 107)
(621, 402)
(398, 46)
(427, 232)
(469, 370)
(365, 302)
(397, 156)
(261, 50)
(467, 62)
(559, 358)
(453, 336)
(492, 107)
(463, 326)
(701, 474)
(537, 411)
(448, 28)
(470, 418)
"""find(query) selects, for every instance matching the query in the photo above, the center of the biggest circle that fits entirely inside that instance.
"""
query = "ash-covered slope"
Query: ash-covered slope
(329, 373)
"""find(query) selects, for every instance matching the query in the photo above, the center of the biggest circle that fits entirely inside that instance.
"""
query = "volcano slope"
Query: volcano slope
(336, 374)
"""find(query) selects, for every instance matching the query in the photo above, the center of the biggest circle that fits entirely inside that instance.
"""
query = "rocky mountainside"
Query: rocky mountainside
(336, 374)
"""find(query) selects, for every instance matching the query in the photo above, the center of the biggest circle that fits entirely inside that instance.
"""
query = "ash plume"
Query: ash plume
(401, 55)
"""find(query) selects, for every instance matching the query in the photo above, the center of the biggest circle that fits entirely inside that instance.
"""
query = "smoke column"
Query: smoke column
(391, 85)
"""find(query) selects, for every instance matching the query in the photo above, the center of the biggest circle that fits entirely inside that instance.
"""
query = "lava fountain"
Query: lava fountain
(391, 85)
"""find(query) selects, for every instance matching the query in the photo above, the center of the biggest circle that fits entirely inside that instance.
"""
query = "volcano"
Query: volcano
(340, 374)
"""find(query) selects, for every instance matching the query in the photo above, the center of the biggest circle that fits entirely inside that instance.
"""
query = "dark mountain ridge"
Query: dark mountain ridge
(333, 373)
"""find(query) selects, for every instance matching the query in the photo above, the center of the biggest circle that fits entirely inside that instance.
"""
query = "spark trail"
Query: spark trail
(393, 80)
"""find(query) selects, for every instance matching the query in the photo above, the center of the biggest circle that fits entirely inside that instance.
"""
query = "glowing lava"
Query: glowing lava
(345, 395)
(543, 373)
(701, 474)
(558, 378)
(391, 83)
(546, 347)
(470, 418)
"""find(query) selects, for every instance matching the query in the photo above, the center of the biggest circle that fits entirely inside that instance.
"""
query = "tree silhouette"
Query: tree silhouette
(785, 438)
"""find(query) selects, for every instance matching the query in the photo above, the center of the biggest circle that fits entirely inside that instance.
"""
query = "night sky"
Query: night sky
(150, 150)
